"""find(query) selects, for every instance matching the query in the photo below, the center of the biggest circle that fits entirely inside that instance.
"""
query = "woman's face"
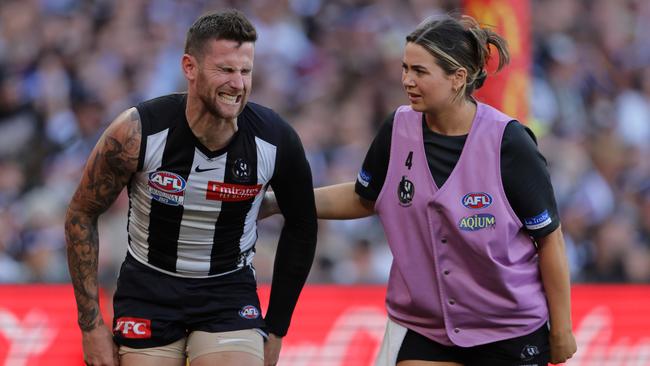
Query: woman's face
(427, 85)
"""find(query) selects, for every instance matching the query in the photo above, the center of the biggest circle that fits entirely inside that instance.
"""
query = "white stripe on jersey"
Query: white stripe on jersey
(141, 203)
(265, 167)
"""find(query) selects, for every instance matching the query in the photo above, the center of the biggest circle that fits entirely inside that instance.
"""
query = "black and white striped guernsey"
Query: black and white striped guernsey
(192, 211)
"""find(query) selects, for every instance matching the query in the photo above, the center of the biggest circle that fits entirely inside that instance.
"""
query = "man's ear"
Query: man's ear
(190, 66)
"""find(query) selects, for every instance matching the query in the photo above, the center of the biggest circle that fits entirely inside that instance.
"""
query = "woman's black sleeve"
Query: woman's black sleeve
(372, 175)
(526, 181)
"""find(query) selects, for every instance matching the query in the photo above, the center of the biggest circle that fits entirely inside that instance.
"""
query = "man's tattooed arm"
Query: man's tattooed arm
(109, 168)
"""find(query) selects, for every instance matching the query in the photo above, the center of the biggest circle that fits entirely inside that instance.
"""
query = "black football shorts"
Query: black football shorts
(529, 350)
(153, 309)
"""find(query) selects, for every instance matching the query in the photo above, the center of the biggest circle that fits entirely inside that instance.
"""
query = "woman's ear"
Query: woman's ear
(459, 78)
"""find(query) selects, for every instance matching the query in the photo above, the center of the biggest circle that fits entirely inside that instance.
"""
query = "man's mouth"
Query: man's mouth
(229, 99)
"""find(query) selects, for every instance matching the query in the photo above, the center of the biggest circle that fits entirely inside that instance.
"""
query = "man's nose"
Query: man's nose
(236, 81)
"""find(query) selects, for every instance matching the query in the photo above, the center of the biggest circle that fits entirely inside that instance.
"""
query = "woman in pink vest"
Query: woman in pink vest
(479, 273)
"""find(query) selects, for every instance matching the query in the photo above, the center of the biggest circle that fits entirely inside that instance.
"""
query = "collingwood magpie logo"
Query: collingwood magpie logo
(405, 192)
(529, 352)
(241, 170)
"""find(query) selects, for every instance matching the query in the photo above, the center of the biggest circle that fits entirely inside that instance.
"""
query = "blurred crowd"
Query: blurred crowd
(332, 69)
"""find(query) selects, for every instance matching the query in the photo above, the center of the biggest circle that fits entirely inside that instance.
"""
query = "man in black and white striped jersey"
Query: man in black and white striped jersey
(196, 166)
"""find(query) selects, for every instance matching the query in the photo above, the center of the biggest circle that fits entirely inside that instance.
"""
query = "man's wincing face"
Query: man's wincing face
(224, 79)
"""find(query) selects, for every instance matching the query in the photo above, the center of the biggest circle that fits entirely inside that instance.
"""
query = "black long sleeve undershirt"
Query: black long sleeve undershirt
(293, 187)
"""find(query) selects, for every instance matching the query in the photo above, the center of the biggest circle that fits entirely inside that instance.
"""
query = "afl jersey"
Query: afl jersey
(192, 211)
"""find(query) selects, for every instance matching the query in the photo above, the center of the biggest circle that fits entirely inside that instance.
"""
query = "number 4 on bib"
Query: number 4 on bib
(409, 160)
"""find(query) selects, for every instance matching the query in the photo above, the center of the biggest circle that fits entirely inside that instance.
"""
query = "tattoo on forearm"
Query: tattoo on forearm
(82, 248)
(107, 172)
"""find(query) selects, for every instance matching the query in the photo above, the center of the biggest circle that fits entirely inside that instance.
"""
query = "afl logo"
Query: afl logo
(249, 312)
(405, 192)
(476, 200)
(167, 182)
(241, 170)
(167, 187)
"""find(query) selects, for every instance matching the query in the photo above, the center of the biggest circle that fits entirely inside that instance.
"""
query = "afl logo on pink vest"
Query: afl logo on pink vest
(249, 312)
(166, 187)
(476, 200)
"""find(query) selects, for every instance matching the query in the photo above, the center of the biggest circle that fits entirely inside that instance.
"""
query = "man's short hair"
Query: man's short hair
(230, 25)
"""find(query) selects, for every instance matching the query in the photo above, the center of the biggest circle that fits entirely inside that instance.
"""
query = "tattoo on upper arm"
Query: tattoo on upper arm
(111, 165)
(107, 171)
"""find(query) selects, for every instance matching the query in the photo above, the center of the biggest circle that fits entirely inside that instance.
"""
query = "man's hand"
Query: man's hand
(272, 348)
(563, 346)
(99, 349)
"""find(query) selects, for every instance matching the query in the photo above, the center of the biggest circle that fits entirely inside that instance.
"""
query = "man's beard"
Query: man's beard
(211, 101)
(211, 105)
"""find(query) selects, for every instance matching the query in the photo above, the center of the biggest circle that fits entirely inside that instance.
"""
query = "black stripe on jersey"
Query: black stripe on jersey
(165, 220)
(229, 227)
(145, 131)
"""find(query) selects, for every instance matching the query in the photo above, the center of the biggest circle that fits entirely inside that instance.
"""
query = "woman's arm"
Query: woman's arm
(555, 278)
(335, 202)
(341, 202)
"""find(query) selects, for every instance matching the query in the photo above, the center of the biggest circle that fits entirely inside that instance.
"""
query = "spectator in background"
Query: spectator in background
(12, 269)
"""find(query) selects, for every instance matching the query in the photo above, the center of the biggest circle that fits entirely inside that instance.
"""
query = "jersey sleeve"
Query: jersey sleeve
(293, 187)
(526, 181)
(372, 175)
